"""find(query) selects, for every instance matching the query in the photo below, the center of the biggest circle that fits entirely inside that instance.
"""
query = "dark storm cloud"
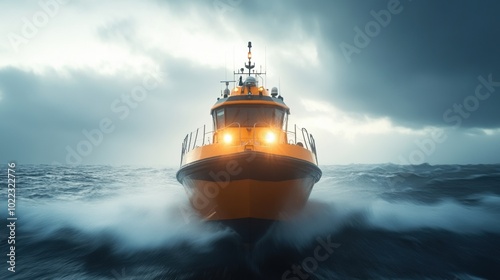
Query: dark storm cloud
(427, 58)
(48, 111)
(424, 61)
(43, 113)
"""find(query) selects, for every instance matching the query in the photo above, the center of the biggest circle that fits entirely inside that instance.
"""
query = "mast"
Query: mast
(249, 66)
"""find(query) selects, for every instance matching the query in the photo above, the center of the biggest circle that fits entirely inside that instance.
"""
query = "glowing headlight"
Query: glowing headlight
(270, 137)
(228, 138)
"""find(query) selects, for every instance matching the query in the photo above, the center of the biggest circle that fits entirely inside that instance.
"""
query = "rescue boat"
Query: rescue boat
(251, 169)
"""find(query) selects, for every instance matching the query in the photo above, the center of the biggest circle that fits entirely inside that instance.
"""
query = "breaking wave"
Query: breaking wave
(367, 221)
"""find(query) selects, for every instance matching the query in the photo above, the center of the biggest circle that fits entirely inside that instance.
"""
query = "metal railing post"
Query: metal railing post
(203, 142)
(195, 138)
(295, 133)
(306, 139)
(189, 145)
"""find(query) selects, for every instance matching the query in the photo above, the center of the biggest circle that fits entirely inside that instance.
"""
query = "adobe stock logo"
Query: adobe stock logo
(122, 108)
(472, 102)
(454, 115)
(30, 28)
(310, 264)
(363, 37)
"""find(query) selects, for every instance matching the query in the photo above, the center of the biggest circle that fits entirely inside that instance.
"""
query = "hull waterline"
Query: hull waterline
(250, 170)
(250, 190)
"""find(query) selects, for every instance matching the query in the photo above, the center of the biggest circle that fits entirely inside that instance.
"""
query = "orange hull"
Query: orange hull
(250, 170)
(249, 198)
(248, 184)
(249, 190)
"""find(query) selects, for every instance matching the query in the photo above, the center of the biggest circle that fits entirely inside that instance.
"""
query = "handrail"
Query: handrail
(253, 130)
(203, 141)
(313, 147)
(304, 130)
(239, 129)
(295, 132)
(183, 150)
(195, 137)
(191, 141)
(190, 136)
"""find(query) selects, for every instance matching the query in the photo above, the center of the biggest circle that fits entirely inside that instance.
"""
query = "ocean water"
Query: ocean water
(361, 222)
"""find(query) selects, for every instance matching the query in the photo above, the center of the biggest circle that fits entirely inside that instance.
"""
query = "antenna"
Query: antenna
(227, 92)
(279, 84)
(265, 65)
(249, 65)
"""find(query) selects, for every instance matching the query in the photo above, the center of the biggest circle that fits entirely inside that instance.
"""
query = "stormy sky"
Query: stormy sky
(405, 82)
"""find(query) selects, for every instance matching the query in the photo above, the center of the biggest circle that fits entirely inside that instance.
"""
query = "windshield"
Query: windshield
(249, 116)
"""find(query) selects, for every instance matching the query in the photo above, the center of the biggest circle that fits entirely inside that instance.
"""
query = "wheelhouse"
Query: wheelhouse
(250, 116)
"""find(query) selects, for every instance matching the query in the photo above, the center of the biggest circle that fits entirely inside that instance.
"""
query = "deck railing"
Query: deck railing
(201, 137)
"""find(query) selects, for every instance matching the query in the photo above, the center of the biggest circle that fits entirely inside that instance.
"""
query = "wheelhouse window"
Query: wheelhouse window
(219, 118)
(250, 116)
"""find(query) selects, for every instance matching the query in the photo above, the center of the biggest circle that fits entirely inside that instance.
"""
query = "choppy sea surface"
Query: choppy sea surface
(362, 222)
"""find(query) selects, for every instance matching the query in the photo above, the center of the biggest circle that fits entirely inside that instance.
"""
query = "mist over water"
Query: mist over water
(362, 221)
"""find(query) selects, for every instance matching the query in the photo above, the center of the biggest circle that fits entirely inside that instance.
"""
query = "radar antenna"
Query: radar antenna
(227, 92)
